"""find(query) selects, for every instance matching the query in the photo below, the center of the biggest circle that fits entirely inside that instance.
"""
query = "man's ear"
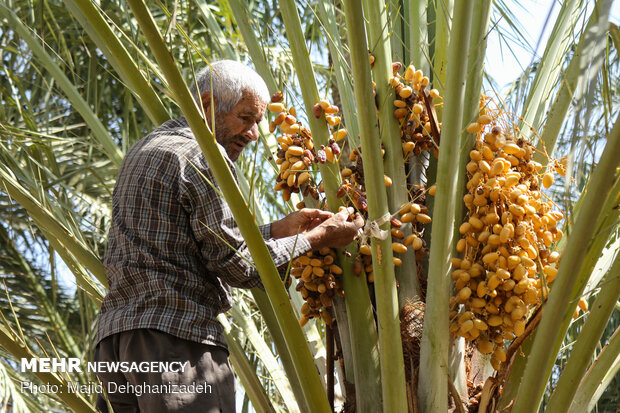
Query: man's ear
(205, 99)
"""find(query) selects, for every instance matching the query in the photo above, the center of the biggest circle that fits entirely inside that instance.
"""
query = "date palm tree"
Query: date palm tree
(82, 81)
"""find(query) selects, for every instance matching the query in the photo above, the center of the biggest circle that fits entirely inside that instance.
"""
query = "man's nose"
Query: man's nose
(252, 133)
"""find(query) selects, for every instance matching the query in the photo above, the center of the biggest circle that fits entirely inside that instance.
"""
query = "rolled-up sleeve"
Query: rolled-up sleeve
(224, 251)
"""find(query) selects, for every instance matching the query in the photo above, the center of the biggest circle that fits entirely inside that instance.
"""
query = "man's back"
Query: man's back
(156, 270)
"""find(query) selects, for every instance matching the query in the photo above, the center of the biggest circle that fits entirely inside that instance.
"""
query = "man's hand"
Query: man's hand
(300, 221)
(335, 232)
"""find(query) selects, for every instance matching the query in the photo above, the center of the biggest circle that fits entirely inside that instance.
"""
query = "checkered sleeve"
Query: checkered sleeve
(265, 230)
(224, 251)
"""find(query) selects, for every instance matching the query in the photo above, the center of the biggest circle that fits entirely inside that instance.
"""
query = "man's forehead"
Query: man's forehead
(251, 104)
(250, 110)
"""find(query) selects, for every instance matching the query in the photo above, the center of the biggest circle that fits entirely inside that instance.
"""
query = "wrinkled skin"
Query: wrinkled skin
(235, 129)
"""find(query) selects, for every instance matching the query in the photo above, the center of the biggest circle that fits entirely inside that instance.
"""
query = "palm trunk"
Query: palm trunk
(394, 25)
(475, 64)
(389, 130)
(418, 35)
(435, 338)
(363, 338)
(392, 367)
(443, 24)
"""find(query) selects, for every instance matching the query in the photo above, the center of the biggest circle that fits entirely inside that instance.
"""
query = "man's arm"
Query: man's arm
(222, 247)
(297, 222)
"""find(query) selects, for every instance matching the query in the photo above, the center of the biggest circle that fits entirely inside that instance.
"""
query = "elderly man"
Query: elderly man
(174, 251)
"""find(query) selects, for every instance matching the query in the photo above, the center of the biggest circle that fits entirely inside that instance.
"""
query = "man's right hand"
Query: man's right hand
(335, 232)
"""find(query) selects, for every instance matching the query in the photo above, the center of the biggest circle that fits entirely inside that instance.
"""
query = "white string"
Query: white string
(372, 229)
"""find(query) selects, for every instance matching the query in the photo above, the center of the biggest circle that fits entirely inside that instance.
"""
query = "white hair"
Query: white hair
(228, 80)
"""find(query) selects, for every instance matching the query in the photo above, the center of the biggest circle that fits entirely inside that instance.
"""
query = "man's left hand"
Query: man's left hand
(299, 221)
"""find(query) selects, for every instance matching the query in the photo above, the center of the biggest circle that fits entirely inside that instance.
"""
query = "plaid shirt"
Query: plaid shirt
(169, 260)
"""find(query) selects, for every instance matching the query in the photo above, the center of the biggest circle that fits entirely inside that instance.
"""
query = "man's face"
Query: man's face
(235, 129)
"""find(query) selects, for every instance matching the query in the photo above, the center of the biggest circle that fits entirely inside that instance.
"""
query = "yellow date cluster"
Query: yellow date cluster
(297, 152)
(412, 110)
(507, 243)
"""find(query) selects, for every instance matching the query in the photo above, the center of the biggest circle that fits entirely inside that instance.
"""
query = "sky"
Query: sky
(505, 67)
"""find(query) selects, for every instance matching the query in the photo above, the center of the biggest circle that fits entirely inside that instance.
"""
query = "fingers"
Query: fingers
(359, 233)
(313, 217)
(356, 226)
(316, 222)
(352, 229)
(344, 213)
(340, 230)
(358, 220)
(319, 214)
